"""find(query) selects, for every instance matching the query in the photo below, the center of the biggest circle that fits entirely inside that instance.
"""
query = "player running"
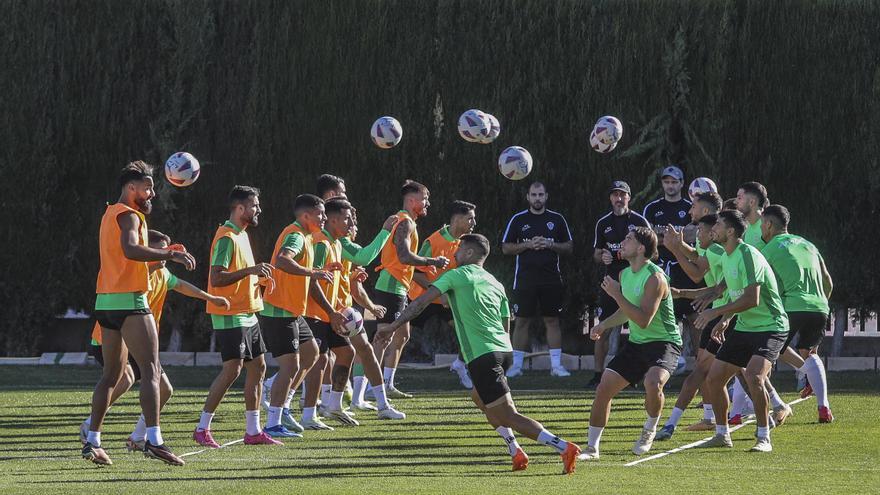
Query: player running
(161, 281)
(482, 324)
(758, 337)
(805, 285)
(644, 300)
(122, 310)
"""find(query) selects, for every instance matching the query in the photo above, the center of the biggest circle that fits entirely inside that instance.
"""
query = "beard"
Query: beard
(145, 206)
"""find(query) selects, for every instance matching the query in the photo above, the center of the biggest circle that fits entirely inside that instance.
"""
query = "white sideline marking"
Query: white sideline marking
(227, 444)
(700, 442)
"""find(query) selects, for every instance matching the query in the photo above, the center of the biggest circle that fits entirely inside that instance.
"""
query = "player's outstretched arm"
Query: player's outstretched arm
(190, 290)
(405, 255)
(360, 296)
(128, 224)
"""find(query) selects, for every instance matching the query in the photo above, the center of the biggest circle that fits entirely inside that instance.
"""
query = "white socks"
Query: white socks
(267, 383)
(815, 370)
(552, 440)
(94, 438)
(325, 394)
(335, 402)
(289, 399)
(381, 397)
(556, 358)
(708, 412)
(252, 420)
(358, 386)
(764, 432)
(205, 421)
(775, 399)
(308, 414)
(509, 438)
(594, 436)
(518, 357)
(274, 417)
(140, 430)
(388, 375)
(651, 423)
(674, 417)
(739, 398)
(722, 429)
(154, 436)
(88, 421)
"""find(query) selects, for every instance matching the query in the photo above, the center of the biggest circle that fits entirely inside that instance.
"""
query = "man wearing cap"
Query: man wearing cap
(611, 229)
(673, 210)
(537, 236)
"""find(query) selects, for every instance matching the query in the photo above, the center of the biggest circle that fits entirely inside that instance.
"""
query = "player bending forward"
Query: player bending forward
(482, 323)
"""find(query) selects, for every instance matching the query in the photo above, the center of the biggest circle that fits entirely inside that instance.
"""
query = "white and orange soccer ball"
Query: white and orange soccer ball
(354, 321)
(386, 132)
(474, 126)
(515, 163)
(701, 185)
(182, 169)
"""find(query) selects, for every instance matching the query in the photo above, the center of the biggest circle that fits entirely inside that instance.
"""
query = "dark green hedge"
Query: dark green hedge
(273, 93)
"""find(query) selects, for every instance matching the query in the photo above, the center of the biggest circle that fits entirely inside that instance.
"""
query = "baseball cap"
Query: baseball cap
(672, 171)
(619, 185)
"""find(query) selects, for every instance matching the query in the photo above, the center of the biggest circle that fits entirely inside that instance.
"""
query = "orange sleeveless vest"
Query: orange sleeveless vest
(244, 295)
(291, 291)
(155, 300)
(119, 274)
(345, 299)
(330, 290)
(440, 246)
(391, 263)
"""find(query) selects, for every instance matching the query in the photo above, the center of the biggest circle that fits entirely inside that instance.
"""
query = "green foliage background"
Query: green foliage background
(273, 93)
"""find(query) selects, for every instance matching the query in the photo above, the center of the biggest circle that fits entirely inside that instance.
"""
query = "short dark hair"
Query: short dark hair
(135, 171)
(240, 194)
(305, 202)
(537, 183)
(155, 237)
(710, 219)
(412, 187)
(757, 190)
(778, 214)
(729, 204)
(478, 242)
(735, 220)
(328, 182)
(711, 199)
(460, 207)
(647, 238)
(335, 206)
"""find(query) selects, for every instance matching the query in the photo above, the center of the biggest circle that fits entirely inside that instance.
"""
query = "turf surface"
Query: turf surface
(444, 446)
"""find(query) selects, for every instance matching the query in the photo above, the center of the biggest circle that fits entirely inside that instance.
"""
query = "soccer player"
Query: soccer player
(161, 281)
(482, 323)
(444, 242)
(611, 229)
(702, 263)
(805, 285)
(758, 337)
(398, 263)
(644, 300)
(673, 210)
(236, 276)
(751, 199)
(122, 310)
(287, 334)
(537, 236)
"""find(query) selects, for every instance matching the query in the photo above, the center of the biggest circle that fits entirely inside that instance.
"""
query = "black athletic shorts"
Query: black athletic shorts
(114, 318)
(96, 351)
(240, 343)
(607, 306)
(540, 300)
(634, 360)
(739, 347)
(809, 326)
(284, 335)
(394, 304)
(325, 336)
(431, 311)
(488, 374)
(706, 341)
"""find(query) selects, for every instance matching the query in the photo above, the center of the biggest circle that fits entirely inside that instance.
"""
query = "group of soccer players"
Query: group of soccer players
(294, 306)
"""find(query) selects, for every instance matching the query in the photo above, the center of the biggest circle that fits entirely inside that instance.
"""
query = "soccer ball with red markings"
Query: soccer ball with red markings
(474, 126)
(182, 169)
(354, 321)
(608, 130)
(386, 132)
(494, 130)
(701, 185)
(515, 163)
(600, 146)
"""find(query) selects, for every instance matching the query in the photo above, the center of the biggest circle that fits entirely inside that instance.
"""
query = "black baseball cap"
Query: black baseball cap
(619, 185)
